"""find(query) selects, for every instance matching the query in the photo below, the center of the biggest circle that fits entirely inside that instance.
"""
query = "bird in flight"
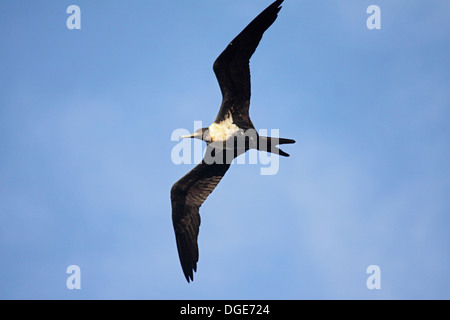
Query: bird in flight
(231, 127)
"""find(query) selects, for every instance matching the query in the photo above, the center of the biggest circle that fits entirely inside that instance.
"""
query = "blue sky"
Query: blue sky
(86, 118)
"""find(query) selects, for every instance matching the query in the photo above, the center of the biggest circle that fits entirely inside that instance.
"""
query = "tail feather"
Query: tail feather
(269, 144)
(284, 140)
(280, 152)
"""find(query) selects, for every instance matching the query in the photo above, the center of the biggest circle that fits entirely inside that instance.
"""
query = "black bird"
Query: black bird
(232, 124)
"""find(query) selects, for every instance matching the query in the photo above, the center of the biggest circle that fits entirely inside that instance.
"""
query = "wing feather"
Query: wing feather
(232, 67)
(187, 196)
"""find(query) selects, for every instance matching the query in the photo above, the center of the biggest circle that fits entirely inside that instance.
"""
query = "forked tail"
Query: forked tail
(269, 144)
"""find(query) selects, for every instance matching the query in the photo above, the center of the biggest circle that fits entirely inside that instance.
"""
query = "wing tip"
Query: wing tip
(189, 273)
(278, 4)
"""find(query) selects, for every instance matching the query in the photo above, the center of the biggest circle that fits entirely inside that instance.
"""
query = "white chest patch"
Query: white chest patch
(223, 130)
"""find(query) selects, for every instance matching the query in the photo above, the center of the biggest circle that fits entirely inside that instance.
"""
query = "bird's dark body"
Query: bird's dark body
(233, 74)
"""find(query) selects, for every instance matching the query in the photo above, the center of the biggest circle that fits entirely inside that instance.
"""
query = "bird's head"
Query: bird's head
(202, 134)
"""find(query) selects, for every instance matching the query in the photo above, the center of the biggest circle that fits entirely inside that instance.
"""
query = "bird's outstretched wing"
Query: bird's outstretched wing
(187, 195)
(232, 66)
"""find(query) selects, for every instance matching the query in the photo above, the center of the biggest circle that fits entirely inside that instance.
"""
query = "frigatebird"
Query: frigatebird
(232, 124)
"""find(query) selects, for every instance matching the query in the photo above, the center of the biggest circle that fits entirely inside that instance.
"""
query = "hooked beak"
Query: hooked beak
(188, 136)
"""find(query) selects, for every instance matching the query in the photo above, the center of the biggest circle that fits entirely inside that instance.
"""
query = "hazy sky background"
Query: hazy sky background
(86, 118)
